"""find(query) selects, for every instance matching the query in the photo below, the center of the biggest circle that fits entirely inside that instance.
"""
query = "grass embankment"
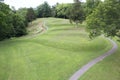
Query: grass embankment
(108, 69)
(54, 55)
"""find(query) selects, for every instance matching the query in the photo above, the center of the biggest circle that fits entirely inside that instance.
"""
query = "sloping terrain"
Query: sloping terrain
(107, 69)
(53, 55)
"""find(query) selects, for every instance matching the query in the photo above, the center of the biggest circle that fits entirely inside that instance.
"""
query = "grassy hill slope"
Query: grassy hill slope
(54, 55)
(108, 69)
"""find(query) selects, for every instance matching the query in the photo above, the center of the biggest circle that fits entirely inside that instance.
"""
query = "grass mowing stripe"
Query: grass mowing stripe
(107, 69)
(55, 55)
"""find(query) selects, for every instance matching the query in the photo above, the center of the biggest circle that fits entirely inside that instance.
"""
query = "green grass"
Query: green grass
(108, 69)
(54, 55)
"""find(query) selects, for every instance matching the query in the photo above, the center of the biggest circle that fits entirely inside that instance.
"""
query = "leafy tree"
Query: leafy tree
(19, 26)
(76, 1)
(6, 27)
(44, 10)
(61, 10)
(105, 19)
(11, 24)
(54, 11)
(23, 12)
(91, 5)
(30, 16)
(75, 12)
(13, 9)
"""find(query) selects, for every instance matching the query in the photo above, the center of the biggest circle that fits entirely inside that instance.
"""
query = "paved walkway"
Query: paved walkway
(86, 67)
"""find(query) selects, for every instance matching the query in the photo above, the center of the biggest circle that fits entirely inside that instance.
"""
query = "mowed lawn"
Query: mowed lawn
(53, 55)
(108, 69)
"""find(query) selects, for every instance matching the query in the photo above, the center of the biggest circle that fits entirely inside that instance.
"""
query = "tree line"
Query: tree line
(102, 17)
(13, 22)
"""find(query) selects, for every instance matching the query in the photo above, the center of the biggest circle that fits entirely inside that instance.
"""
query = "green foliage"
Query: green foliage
(76, 1)
(44, 10)
(23, 13)
(6, 27)
(30, 15)
(61, 10)
(10, 23)
(19, 26)
(91, 5)
(105, 19)
(75, 12)
(53, 9)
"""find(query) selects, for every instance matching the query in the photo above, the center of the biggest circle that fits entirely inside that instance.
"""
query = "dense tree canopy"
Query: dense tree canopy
(44, 10)
(90, 5)
(11, 24)
(19, 26)
(61, 10)
(23, 13)
(105, 19)
(6, 27)
(75, 12)
(30, 15)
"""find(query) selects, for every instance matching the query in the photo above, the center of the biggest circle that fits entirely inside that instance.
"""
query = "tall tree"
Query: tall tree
(105, 19)
(75, 12)
(61, 10)
(91, 5)
(10, 23)
(23, 13)
(19, 26)
(30, 16)
(44, 10)
(6, 27)
(76, 1)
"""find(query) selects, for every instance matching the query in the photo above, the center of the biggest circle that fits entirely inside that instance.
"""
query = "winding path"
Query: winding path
(86, 67)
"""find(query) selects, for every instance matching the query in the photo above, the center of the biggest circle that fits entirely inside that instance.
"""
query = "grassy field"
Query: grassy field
(53, 55)
(108, 69)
